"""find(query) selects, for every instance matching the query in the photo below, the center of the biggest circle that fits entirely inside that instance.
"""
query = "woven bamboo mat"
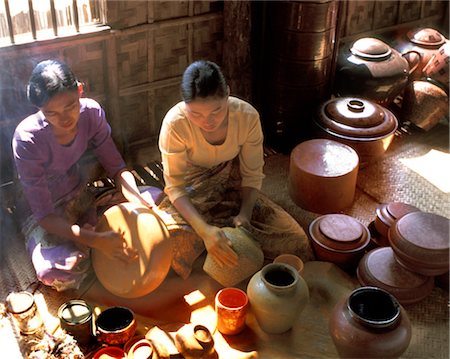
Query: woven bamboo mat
(385, 181)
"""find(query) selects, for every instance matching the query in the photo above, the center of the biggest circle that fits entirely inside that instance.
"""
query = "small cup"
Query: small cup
(292, 260)
(231, 310)
(115, 326)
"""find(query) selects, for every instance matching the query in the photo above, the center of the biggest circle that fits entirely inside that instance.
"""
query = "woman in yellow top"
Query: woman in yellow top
(212, 153)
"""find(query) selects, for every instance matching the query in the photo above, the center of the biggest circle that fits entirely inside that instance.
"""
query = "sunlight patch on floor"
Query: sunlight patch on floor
(433, 166)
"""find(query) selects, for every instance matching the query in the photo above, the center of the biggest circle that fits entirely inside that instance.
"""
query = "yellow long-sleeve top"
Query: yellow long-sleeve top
(182, 145)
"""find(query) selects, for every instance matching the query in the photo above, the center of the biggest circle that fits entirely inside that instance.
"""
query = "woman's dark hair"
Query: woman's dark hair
(203, 79)
(49, 78)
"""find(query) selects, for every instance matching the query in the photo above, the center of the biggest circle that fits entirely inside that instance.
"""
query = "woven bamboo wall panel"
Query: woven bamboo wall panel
(165, 98)
(87, 62)
(132, 58)
(170, 51)
(122, 14)
(385, 14)
(134, 117)
(202, 7)
(432, 8)
(208, 40)
(169, 9)
(359, 16)
(409, 11)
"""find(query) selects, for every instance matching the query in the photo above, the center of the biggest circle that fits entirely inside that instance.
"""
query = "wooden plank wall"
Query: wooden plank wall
(133, 69)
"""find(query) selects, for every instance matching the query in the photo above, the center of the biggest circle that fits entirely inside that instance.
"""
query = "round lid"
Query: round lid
(371, 49)
(379, 268)
(75, 312)
(19, 302)
(341, 228)
(426, 37)
(426, 231)
(339, 232)
(399, 209)
(325, 158)
(350, 117)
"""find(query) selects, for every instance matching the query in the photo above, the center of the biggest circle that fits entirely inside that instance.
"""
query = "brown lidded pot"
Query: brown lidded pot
(420, 242)
(115, 326)
(360, 123)
(387, 214)
(379, 268)
(322, 175)
(340, 239)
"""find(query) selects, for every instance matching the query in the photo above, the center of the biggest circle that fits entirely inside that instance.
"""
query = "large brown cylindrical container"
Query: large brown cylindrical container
(322, 175)
(302, 47)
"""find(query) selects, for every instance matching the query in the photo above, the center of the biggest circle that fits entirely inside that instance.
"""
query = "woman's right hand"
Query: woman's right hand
(219, 246)
(114, 245)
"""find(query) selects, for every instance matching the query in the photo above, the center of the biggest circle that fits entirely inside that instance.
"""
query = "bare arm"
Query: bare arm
(249, 195)
(216, 243)
(126, 183)
(111, 243)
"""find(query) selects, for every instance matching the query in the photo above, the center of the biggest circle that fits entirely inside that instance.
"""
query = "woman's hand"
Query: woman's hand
(113, 245)
(219, 246)
(241, 220)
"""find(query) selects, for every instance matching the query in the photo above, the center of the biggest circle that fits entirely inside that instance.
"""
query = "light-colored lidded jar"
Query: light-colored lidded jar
(25, 312)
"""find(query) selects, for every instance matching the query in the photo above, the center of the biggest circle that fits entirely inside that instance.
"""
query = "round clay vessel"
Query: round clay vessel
(370, 323)
(340, 239)
(379, 268)
(115, 326)
(138, 347)
(322, 175)
(420, 241)
(437, 67)
(110, 353)
(75, 317)
(388, 213)
(277, 295)
(359, 123)
(143, 231)
(250, 259)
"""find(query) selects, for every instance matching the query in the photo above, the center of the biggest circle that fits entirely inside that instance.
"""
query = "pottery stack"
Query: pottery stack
(412, 249)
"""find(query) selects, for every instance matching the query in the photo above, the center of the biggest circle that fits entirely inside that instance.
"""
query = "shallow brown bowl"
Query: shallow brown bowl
(115, 326)
(420, 242)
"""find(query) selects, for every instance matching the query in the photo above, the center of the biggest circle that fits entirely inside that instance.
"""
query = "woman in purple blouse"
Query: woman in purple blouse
(59, 214)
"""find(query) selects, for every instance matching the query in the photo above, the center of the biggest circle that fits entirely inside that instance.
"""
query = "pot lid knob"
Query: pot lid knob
(355, 106)
(427, 37)
(371, 49)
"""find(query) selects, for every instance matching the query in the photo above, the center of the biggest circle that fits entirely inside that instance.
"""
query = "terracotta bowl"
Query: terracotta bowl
(340, 239)
(388, 213)
(110, 353)
(420, 242)
(138, 347)
(115, 326)
(379, 268)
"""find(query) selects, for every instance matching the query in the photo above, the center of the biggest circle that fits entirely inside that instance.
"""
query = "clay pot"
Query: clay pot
(426, 42)
(115, 326)
(362, 124)
(387, 214)
(379, 268)
(371, 69)
(143, 231)
(195, 341)
(370, 323)
(291, 259)
(437, 67)
(250, 259)
(277, 295)
(420, 242)
(425, 103)
(322, 175)
(340, 239)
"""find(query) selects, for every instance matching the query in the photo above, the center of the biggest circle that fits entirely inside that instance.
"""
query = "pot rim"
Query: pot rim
(374, 323)
(131, 324)
(281, 266)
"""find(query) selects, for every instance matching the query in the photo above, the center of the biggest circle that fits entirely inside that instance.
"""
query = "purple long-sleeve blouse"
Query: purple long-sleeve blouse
(49, 171)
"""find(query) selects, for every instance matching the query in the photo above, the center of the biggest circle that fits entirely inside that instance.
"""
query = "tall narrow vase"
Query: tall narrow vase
(277, 295)
(370, 323)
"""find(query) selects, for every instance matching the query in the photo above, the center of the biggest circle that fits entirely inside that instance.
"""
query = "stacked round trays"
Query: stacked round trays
(419, 251)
